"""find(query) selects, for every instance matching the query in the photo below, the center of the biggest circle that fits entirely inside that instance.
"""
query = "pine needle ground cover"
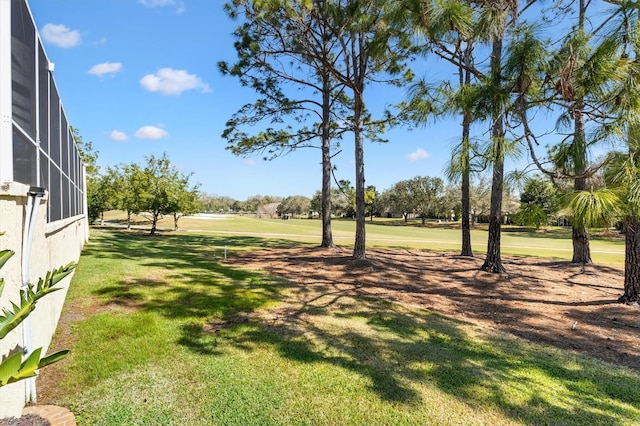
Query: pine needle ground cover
(164, 331)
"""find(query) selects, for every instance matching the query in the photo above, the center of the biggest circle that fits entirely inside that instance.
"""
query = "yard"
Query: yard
(164, 330)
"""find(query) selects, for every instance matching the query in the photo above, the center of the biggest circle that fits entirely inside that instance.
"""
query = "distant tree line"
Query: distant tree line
(422, 197)
(539, 202)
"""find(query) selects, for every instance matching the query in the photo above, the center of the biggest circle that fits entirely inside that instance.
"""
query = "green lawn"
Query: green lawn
(551, 243)
(166, 332)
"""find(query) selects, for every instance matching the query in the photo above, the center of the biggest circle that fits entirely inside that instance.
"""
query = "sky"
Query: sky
(140, 77)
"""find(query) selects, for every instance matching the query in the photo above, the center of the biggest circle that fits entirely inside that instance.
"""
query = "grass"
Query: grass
(555, 242)
(167, 333)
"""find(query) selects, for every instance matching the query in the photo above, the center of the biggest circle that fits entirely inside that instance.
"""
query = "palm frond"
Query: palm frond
(592, 208)
(13, 369)
(4, 256)
(11, 318)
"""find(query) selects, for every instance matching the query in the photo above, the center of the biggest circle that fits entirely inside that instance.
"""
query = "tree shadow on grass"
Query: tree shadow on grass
(539, 302)
(401, 349)
(398, 349)
(194, 286)
(177, 246)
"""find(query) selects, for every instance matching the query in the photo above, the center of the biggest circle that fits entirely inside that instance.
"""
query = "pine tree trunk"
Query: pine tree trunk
(631, 261)
(466, 193)
(327, 235)
(581, 250)
(465, 79)
(466, 222)
(493, 261)
(580, 233)
(359, 252)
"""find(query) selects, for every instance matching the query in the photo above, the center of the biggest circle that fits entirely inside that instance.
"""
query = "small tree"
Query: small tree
(371, 196)
(316, 202)
(130, 183)
(98, 198)
(397, 199)
(297, 204)
(343, 199)
(539, 201)
(530, 215)
(97, 192)
(425, 192)
(267, 210)
(480, 199)
(184, 201)
(160, 180)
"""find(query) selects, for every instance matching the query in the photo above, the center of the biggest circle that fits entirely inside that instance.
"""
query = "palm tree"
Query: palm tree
(573, 155)
(620, 106)
(448, 29)
(460, 167)
(450, 26)
(578, 84)
(623, 174)
(622, 171)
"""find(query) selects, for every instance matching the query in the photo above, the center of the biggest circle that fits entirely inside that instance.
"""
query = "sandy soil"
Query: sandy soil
(549, 301)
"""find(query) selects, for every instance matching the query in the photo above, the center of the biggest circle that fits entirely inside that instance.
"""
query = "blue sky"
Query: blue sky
(140, 77)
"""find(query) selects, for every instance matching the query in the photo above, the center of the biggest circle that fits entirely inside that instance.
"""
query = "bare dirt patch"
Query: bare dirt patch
(547, 301)
(51, 378)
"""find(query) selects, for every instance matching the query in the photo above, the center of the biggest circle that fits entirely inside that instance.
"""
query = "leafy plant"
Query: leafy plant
(13, 368)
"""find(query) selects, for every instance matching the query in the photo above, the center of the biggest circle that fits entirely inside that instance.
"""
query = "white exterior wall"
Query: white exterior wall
(55, 242)
(53, 245)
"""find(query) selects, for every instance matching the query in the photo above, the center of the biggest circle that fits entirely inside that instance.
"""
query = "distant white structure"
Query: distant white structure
(42, 186)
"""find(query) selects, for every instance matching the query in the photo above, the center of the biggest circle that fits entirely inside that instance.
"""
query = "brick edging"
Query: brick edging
(57, 416)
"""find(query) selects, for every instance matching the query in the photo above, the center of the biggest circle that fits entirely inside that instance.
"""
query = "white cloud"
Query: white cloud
(151, 132)
(248, 161)
(162, 3)
(105, 68)
(60, 36)
(418, 154)
(118, 136)
(157, 3)
(173, 82)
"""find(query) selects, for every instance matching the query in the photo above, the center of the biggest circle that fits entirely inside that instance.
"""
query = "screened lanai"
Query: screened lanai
(36, 142)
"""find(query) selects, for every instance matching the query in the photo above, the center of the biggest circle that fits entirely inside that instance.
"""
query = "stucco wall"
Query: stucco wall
(53, 245)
